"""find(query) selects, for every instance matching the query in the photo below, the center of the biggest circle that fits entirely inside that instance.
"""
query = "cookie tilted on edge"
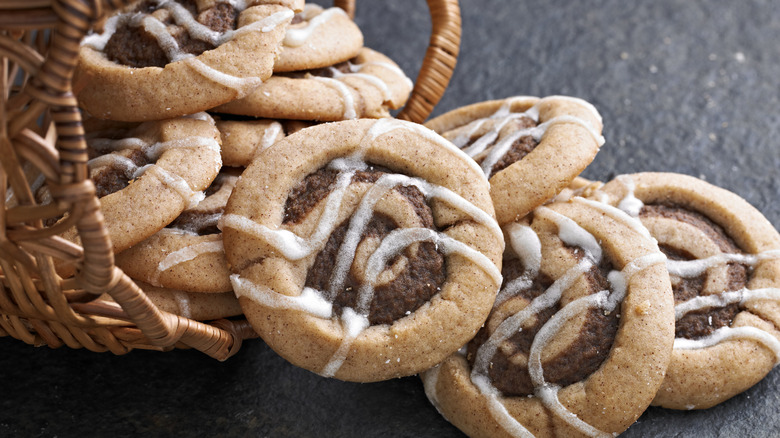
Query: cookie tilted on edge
(724, 261)
(580, 335)
(188, 254)
(318, 38)
(529, 148)
(363, 250)
(147, 174)
(368, 85)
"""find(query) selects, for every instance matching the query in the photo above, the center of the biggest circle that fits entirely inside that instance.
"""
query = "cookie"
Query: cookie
(529, 148)
(163, 59)
(363, 250)
(147, 175)
(579, 337)
(318, 38)
(188, 254)
(368, 85)
(724, 261)
(243, 138)
(200, 307)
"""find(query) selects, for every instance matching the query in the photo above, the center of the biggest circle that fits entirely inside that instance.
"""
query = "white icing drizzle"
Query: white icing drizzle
(114, 160)
(382, 86)
(630, 203)
(309, 301)
(618, 214)
(178, 184)
(98, 41)
(353, 325)
(202, 116)
(741, 296)
(502, 112)
(296, 36)
(498, 410)
(132, 171)
(357, 225)
(184, 255)
(572, 234)
(525, 243)
(488, 138)
(507, 328)
(165, 40)
(375, 81)
(183, 302)
(726, 333)
(269, 136)
(346, 95)
(548, 392)
(152, 151)
(393, 68)
(503, 116)
(221, 78)
(384, 126)
(398, 240)
(291, 246)
(694, 268)
(537, 132)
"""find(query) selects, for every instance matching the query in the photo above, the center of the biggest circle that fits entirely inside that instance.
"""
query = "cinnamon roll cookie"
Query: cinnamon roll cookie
(363, 250)
(317, 38)
(147, 175)
(368, 85)
(529, 148)
(188, 254)
(243, 138)
(579, 336)
(724, 262)
(163, 58)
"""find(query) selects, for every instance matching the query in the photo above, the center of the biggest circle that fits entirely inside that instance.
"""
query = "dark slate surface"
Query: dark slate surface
(684, 86)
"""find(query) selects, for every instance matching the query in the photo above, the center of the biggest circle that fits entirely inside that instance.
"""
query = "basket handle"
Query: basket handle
(439, 61)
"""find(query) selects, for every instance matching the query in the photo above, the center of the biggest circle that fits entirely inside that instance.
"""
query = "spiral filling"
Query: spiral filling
(508, 370)
(700, 323)
(408, 281)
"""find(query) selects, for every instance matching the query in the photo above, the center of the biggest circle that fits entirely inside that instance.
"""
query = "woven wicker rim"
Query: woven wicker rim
(40, 125)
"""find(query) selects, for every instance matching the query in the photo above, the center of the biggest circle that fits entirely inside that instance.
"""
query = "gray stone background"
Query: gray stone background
(684, 86)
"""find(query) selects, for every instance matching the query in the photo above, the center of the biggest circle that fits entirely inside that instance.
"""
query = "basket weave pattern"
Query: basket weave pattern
(42, 139)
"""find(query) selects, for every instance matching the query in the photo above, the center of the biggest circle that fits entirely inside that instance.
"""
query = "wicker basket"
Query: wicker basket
(40, 128)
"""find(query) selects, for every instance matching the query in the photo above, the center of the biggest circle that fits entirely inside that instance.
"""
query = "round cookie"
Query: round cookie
(529, 148)
(147, 175)
(368, 85)
(163, 59)
(318, 38)
(357, 244)
(243, 138)
(187, 255)
(200, 307)
(579, 337)
(724, 262)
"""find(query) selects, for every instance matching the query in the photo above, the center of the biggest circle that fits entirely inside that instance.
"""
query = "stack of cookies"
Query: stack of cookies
(468, 250)
(654, 288)
(179, 96)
